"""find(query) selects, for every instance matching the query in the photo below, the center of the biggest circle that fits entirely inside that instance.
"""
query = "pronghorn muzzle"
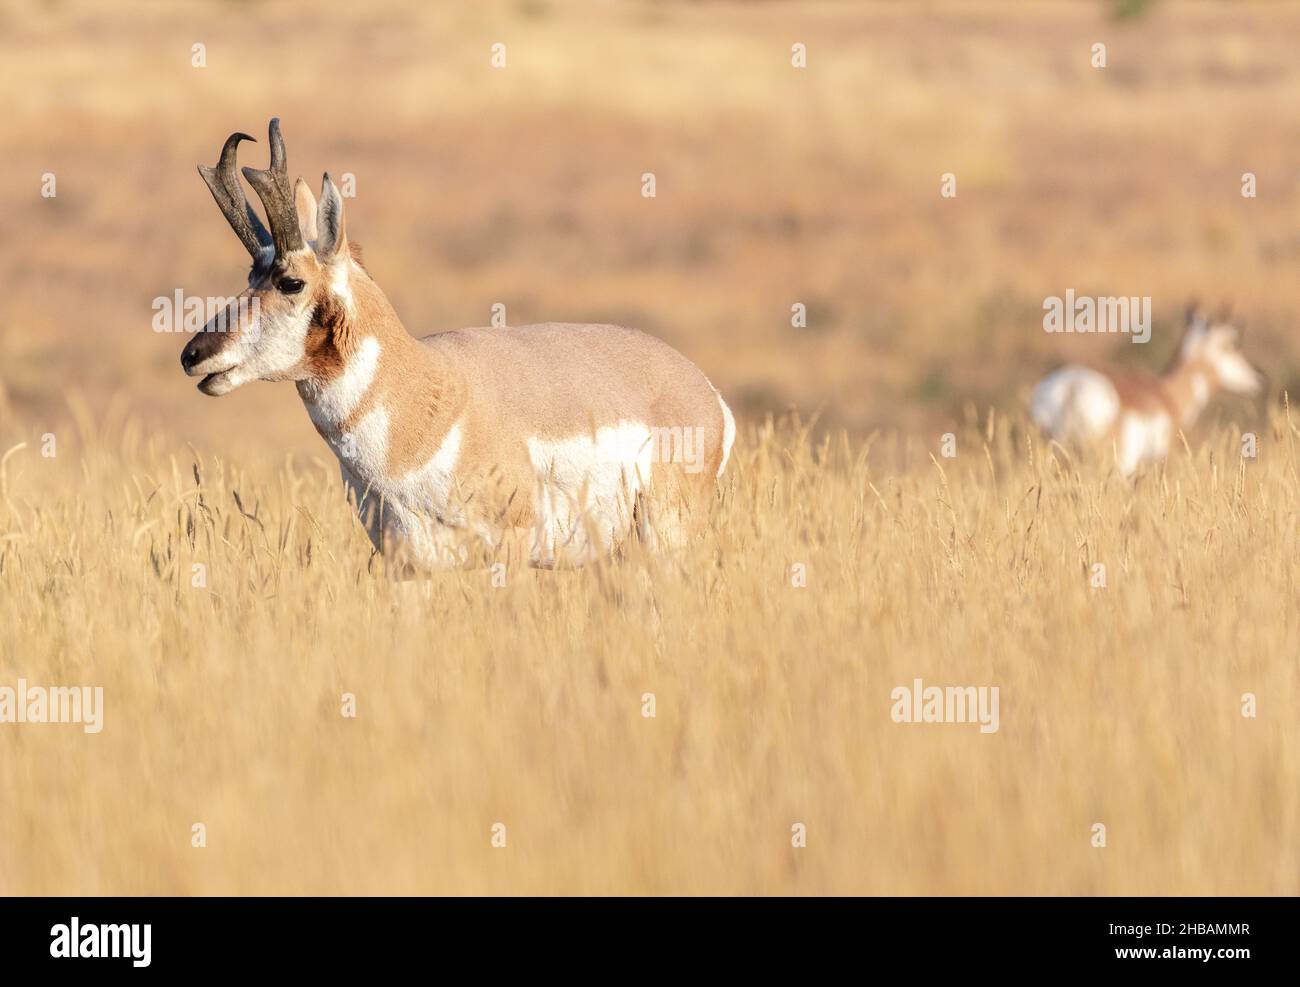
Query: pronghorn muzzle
(208, 354)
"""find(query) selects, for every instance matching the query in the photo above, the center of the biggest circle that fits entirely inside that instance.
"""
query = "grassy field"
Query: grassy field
(523, 704)
(845, 555)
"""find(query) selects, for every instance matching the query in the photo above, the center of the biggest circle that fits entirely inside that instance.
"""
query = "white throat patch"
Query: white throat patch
(340, 397)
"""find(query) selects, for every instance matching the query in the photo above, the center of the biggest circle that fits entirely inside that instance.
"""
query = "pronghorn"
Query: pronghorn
(1139, 412)
(567, 438)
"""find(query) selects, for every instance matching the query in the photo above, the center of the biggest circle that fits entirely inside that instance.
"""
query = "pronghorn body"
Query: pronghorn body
(1138, 414)
(464, 437)
(569, 437)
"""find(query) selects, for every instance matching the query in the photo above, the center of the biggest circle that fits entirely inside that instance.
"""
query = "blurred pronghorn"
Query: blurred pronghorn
(1140, 412)
(569, 437)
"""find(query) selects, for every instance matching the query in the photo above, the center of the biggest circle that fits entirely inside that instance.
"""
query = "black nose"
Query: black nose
(202, 345)
(190, 355)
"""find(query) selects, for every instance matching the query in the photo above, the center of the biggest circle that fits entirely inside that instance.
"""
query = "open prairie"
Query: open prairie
(888, 515)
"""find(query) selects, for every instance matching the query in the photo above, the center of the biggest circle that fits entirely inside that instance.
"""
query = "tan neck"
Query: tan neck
(370, 314)
(370, 370)
(1189, 385)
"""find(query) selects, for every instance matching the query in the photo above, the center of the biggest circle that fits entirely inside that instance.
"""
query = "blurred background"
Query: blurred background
(776, 185)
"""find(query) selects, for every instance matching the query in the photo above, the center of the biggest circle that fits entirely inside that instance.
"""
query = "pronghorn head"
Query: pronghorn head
(1212, 345)
(281, 326)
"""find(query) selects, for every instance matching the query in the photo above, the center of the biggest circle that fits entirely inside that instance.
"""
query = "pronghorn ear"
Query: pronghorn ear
(331, 239)
(305, 202)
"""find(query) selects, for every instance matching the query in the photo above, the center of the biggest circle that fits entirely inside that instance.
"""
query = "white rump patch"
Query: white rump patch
(728, 433)
(1075, 404)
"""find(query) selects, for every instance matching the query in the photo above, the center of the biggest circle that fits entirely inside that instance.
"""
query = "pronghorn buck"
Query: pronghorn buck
(562, 439)
(1139, 413)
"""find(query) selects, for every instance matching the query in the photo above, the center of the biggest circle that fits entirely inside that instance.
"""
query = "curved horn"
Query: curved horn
(272, 187)
(224, 185)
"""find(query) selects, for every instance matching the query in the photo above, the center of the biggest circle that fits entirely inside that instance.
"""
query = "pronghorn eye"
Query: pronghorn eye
(290, 286)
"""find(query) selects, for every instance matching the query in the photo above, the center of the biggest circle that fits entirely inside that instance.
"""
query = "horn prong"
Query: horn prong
(277, 146)
(272, 187)
(223, 183)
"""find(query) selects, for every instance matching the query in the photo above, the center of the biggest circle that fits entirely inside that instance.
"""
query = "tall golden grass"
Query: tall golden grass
(523, 704)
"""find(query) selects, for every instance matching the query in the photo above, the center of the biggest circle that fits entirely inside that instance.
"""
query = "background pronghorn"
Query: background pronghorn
(1140, 412)
(560, 432)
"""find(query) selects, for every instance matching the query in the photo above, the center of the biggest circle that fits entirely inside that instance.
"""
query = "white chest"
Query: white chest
(421, 510)
(413, 506)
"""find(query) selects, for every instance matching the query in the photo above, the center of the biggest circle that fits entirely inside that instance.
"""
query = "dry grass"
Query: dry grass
(522, 704)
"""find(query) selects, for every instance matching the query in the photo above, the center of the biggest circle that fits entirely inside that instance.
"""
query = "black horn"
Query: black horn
(224, 185)
(272, 187)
